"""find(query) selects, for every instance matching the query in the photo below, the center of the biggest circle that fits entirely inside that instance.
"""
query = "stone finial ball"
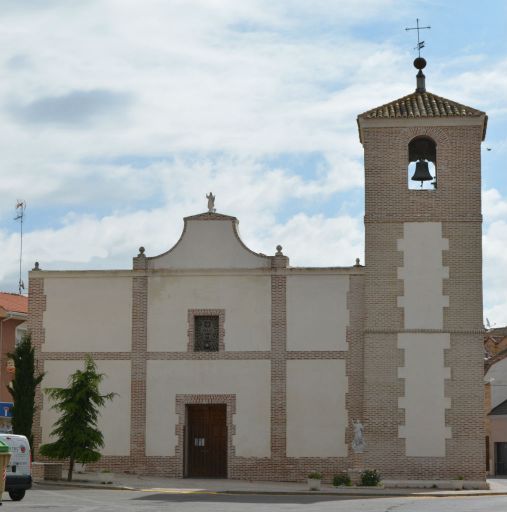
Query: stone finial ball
(141, 250)
(420, 63)
(279, 249)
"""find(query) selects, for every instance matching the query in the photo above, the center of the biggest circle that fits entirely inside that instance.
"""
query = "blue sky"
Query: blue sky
(118, 116)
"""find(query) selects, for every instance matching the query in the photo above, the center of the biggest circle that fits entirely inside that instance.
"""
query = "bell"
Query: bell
(422, 172)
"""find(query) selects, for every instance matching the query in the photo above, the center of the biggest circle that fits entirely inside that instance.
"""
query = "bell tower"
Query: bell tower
(423, 390)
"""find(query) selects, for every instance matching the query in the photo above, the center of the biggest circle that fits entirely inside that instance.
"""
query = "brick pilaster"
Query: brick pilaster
(279, 357)
(138, 386)
(36, 308)
(355, 363)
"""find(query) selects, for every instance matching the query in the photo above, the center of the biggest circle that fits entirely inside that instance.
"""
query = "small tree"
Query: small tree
(78, 437)
(23, 386)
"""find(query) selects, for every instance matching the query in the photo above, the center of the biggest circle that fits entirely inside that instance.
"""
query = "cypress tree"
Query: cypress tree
(23, 386)
(78, 437)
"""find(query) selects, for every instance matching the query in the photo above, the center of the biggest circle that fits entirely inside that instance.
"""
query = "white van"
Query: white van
(19, 470)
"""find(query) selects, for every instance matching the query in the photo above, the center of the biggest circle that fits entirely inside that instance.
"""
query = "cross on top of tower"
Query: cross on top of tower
(420, 44)
(419, 62)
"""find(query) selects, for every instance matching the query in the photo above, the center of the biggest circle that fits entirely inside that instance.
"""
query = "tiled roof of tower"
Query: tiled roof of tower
(14, 303)
(425, 104)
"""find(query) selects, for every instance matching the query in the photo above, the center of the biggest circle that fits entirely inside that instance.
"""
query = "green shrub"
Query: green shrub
(370, 478)
(342, 479)
(316, 475)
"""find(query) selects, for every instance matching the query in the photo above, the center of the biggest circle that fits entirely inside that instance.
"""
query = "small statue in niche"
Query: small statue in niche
(358, 443)
(211, 202)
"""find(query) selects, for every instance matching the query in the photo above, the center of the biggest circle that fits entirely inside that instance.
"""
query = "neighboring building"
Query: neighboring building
(495, 392)
(233, 363)
(495, 345)
(13, 316)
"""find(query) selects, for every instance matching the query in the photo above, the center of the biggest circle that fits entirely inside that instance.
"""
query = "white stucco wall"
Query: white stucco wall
(316, 413)
(317, 314)
(422, 275)
(88, 314)
(114, 421)
(497, 376)
(209, 244)
(424, 402)
(250, 381)
(246, 300)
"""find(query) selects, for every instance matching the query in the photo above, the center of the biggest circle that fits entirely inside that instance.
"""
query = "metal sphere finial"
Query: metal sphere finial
(419, 63)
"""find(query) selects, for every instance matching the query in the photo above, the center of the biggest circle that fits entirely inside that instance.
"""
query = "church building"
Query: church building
(231, 363)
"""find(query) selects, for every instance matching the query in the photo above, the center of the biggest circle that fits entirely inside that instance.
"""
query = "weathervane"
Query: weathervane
(420, 44)
(20, 213)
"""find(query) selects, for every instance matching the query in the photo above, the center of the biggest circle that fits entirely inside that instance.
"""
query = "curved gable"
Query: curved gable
(209, 240)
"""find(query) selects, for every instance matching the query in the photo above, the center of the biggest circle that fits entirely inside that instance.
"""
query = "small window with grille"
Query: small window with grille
(206, 332)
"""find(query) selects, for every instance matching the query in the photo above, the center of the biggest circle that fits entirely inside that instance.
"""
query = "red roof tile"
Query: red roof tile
(14, 303)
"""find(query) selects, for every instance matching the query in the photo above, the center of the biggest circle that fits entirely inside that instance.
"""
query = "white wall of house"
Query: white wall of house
(499, 429)
(246, 300)
(20, 331)
(250, 381)
(114, 421)
(88, 314)
(317, 314)
(497, 377)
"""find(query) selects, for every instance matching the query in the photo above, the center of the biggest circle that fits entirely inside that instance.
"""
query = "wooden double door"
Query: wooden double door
(206, 444)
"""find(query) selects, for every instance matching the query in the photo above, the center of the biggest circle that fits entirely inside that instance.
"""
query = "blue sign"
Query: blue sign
(6, 409)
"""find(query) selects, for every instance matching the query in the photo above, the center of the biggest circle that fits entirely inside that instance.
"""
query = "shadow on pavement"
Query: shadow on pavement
(246, 498)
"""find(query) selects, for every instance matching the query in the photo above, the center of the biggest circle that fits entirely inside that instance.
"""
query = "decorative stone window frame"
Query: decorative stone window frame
(192, 313)
(229, 400)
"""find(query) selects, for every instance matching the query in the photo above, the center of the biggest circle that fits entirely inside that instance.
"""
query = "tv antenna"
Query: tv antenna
(20, 214)
(420, 44)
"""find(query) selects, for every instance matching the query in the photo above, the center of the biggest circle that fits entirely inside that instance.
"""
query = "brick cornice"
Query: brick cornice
(429, 331)
(424, 217)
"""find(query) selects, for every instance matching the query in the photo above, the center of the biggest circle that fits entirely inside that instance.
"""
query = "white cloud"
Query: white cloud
(495, 280)
(495, 256)
(222, 76)
(494, 206)
(319, 241)
(256, 194)
(484, 87)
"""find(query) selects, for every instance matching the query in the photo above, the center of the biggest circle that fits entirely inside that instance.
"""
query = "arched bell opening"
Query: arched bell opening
(422, 164)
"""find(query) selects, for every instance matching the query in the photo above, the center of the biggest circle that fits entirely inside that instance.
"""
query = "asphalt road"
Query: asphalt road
(90, 500)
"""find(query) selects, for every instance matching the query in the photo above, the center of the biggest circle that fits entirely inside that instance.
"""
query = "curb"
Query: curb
(84, 485)
(373, 494)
